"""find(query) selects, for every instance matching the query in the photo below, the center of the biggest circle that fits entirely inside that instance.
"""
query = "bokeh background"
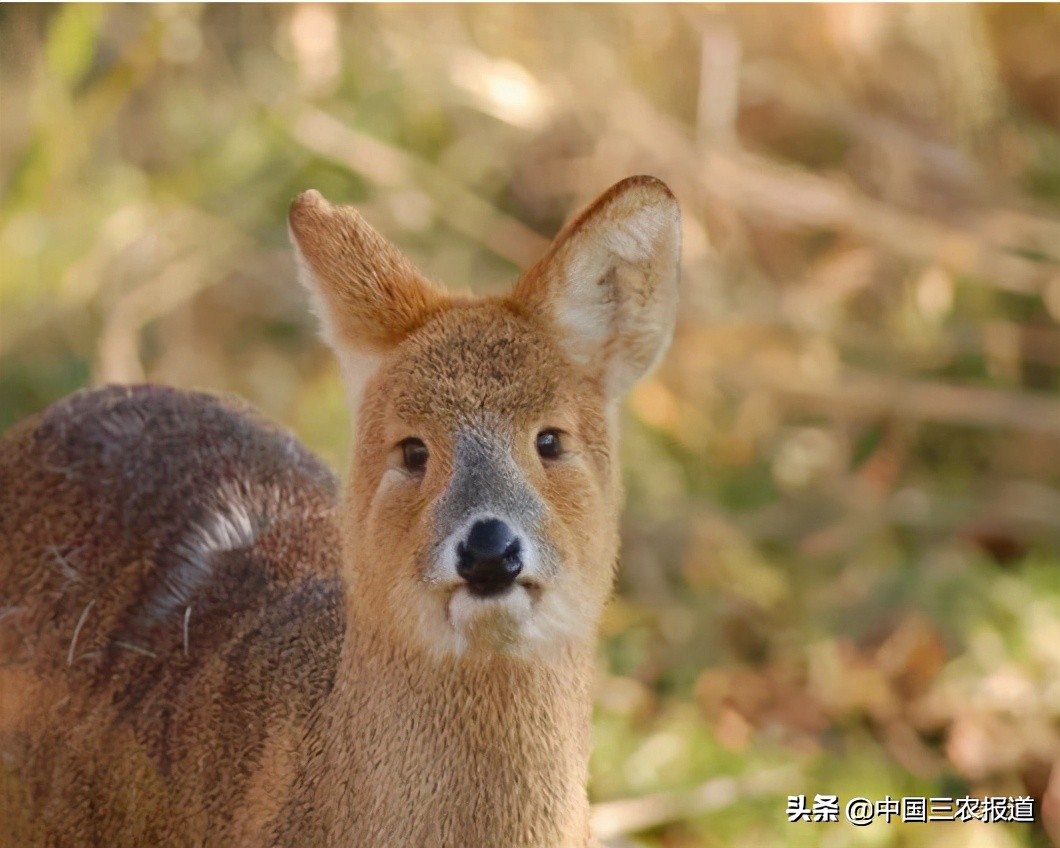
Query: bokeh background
(841, 569)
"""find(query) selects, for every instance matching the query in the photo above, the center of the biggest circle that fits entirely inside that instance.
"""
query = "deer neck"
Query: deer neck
(442, 751)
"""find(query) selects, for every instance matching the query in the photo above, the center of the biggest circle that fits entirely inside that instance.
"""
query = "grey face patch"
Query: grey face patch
(487, 481)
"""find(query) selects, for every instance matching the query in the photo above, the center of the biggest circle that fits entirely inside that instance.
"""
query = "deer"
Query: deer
(203, 643)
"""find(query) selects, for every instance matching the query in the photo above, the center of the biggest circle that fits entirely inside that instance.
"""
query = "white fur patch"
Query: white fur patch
(558, 620)
(496, 622)
(189, 563)
(523, 622)
(357, 367)
(227, 529)
(311, 282)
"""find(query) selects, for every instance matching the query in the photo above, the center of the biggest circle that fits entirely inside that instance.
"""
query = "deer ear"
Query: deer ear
(608, 284)
(367, 295)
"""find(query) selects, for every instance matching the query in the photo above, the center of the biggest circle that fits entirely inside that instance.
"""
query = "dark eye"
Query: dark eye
(549, 444)
(414, 455)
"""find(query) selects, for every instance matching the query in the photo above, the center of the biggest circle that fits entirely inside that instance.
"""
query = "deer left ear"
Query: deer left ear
(368, 295)
(608, 284)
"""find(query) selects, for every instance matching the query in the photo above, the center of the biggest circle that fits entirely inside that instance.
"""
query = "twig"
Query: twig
(719, 85)
(612, 819)
(83, 280)
(769, 190)
(767, 78)
(58, 560)
(77, 631)
(119, 342)
(865, 393)
(388, 167)
(136, 649)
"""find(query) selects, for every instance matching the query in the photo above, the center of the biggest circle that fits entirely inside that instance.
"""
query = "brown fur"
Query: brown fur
(377, 297)
(187, 659)
(122, 738)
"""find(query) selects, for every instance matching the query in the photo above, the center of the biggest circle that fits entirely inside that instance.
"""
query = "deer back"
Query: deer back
(171, 615)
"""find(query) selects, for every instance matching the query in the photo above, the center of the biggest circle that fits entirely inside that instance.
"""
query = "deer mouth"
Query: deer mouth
(531, 589)
(505, 611)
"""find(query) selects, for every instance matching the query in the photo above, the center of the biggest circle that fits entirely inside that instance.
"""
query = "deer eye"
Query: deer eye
(414, 455)
(549, 444)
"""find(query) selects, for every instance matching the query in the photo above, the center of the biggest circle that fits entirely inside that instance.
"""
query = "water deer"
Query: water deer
(202, 644)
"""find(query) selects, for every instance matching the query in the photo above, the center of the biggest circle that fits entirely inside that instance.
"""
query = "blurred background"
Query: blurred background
(841, 570)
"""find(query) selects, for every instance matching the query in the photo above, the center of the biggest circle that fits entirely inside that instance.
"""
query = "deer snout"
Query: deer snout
(490, 558)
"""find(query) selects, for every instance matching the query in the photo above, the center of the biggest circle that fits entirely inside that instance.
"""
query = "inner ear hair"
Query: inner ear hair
(608, 284)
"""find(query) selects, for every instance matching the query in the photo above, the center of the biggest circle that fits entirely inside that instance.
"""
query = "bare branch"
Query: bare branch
(612, 819)
(388, 167)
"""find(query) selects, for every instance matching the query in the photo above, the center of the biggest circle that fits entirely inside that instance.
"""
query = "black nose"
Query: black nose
(489, 558)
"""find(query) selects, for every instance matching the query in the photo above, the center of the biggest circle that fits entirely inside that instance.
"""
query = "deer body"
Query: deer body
(202, 644)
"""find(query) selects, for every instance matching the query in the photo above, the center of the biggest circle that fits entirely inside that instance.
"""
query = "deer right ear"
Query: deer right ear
(367, 295)
(608, 284)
